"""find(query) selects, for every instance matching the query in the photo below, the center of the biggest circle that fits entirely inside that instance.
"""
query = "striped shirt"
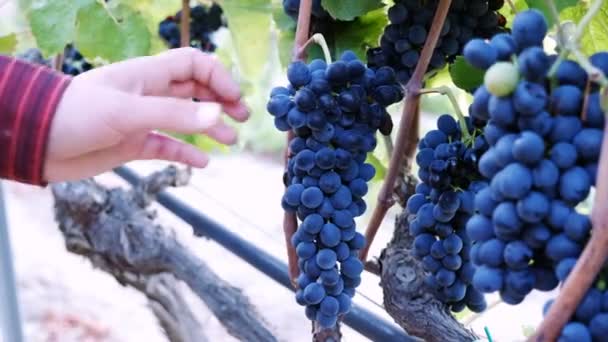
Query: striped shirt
(29, 95)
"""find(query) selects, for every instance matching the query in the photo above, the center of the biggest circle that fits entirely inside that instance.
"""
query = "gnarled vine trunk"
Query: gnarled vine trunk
(114, 229)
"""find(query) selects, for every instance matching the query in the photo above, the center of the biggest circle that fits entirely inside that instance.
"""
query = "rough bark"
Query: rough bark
(406, 297)
(113, 229)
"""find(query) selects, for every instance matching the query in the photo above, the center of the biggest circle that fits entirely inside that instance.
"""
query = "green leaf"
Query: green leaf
(464, 75)
(595, 37)
(8, 43)
(113, 34)
(349, 10)
(53, 23)
(507, 10)
(360, 34)
(541, 5)
(283, 21)
(250, 22)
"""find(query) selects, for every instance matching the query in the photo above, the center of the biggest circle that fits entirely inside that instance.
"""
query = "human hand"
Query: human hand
(108, 116)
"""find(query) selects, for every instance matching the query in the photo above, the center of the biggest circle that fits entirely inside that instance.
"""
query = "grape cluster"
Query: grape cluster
(545, 137)
(73, 62)
(334, 111)
(442, 205)
(203, 21)
(410, 22)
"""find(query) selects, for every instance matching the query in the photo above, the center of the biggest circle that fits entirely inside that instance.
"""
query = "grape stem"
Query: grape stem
(318, 39)
(185, 24)
(445, 90)
(512, 5)
(572, 45)
(388, 144)
(290, 222)
(407, 135)
(588, 265)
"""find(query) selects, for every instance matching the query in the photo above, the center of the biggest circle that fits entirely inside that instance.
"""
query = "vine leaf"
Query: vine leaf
(465, 76)
(541, 5)
(53, 23)
(359, 34)
(113, 34)
(349, 10)
(595, 37)
(8, 43)
(250, 22)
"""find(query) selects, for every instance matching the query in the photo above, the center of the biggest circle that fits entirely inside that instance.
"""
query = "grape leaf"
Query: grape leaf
(349, 10)
(114, 34)
(595, 37)
(250, 22)
(509, 14)
(464, 75)
(53, 22)
(283, 21)
(8, 43)
(361, 33)
(541, 5)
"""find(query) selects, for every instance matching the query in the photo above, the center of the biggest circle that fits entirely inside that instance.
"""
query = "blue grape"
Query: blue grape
(479, 54)
(529, 28)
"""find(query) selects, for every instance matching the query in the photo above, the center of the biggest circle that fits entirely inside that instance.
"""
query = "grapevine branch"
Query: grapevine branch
(407, 136)
(185, 24)
(290, 223)
(118, 234)
(406, 296)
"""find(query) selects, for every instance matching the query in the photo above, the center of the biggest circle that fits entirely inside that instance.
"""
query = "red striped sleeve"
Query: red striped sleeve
(29, 95)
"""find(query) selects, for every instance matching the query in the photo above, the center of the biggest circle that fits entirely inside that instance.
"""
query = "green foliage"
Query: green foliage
(361, 33)
(542, 6)
(8, 43)
(53, 23)
(464, 75)
(112, 33)
(595, 37)
(349, 10)
(250, 22)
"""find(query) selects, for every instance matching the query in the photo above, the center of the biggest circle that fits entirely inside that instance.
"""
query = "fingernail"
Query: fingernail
(208, 115)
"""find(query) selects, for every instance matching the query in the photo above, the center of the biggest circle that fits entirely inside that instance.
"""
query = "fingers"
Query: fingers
(159, 146)
(190, 89)
(152, 146)
(153, 75)
(175, 115)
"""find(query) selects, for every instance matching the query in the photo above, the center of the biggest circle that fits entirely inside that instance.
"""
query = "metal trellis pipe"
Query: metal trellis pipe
(360, 319)
(10, 318)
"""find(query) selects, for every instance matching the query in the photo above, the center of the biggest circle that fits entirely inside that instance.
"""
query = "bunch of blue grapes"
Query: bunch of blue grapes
(334, 112)
(410, 23)
(545, 135)
(203, 22)
(442, 205)
(73, 62)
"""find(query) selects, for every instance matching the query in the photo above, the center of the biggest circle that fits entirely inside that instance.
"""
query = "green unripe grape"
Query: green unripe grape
(501, 78)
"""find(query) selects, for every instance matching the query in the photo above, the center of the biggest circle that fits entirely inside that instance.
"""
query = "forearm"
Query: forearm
(29, 96)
